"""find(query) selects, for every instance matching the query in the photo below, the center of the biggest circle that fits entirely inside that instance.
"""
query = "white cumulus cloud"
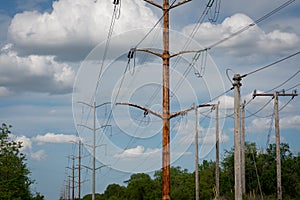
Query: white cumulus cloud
(29, 143)
(138, 151)
(54, 138)
(38, 155)
(254, 40)
(33, 73)
(292, 122)
(73, 27)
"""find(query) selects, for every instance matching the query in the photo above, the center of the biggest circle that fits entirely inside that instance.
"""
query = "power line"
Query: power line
(293, 87)
(259, 109)
(197, 55)
(158, 21)
(252, 24)
(233, 35)
(284, 82)
(280, 109)
(270, 65)
(115, 15)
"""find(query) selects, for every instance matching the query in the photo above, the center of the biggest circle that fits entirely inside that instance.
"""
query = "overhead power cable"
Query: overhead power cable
(154, 26)
(200, 54)
(188, 69)
(260, 109)
(255, 114)
(290, 78)
(252, 24)
(115, 15)
(293, 87)
(270, 65)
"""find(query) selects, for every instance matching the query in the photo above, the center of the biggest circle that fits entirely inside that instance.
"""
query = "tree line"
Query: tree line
(260, 168)
(15, 178)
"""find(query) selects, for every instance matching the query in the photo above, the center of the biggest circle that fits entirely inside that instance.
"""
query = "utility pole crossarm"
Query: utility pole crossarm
(173, 6)
(92, 106)
(180, 3)
(140, 107)
(271, 95)
(189, 109)
(154, 3)
(293, 94)
(187, 51)
(101, 167)
(275, 95)
(171, 56)
(92, 128)
(149, 51)
(85, 126)
(87, 167)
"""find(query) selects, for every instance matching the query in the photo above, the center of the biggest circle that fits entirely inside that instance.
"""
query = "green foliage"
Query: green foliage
(89, 197)
(14, 175)
(258, 165)
(207, 179)
(114, 191)
(141, 187)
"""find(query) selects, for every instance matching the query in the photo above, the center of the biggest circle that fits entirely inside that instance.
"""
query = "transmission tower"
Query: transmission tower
(94, 129)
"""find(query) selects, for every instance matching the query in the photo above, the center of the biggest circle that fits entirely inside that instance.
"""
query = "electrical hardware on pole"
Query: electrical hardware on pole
(275, 95)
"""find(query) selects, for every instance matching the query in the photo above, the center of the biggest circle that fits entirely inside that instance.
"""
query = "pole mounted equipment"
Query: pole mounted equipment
(275, 96)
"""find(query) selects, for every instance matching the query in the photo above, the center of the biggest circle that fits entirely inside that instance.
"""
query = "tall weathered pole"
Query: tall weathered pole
(166, 96)
(72, 176)
(166, 105)
(217, 153)
(243, 149)
(278, 159)
(277, 134)
(237, 138)
(196, 155)
(69, 186)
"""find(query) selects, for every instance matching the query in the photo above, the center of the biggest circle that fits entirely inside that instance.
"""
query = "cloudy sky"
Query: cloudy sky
(56, 53)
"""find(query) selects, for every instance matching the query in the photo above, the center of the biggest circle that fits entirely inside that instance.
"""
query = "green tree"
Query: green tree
(207, 179)
(141, 187)
(114, 191)
(14, 174)
(182, 183)
(260, 167)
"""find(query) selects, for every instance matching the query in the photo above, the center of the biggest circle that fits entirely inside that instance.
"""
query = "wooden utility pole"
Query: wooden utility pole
(78, 166)
(217, 152)
(165, 116)
(197, 148)
(69, 186)
(278, 158)
(165, 195)
(243, 149)
(237, 138)
(196, 155)
(73, 176)
(165, 7)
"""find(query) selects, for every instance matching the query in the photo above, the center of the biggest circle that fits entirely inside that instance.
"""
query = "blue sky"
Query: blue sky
(51, 53)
